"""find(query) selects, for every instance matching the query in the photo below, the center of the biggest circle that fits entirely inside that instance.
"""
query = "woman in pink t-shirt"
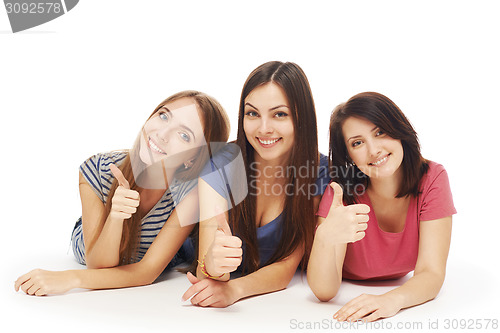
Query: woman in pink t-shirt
(386, 213)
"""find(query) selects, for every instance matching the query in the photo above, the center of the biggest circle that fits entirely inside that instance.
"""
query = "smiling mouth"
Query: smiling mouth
(268, 142)
(380, 161)
(155, 148)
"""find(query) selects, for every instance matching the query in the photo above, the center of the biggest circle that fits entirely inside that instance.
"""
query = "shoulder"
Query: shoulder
(223, 156)
(96, 171)
(225, 172)
(323, 176)
(435, 175)
(103, 160)
(435, 198)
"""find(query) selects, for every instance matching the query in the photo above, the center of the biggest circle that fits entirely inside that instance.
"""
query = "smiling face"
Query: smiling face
(268, 123)
(172, 134)
(376, 154)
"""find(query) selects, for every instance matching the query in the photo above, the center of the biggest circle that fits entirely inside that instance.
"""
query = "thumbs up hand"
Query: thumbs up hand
(344, 224)
(225, 253)
(125, 201)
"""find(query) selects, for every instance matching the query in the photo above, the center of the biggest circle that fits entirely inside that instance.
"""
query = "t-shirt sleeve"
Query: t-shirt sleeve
(436, 199)
(180, 189)
(225, 173)
(325, 203)
(323, 176)
(97, 173)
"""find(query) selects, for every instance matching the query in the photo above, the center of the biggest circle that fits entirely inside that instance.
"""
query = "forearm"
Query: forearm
(117, 277)
(268, 279)
(106, 250)
(324, 272)
(422, 287)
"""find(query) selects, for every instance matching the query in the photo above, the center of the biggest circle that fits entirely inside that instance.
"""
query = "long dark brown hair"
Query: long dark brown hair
(216, 129)
(298, 212)
(387, 116)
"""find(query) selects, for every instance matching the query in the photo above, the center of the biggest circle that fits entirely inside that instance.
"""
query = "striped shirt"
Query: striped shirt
(97, 173)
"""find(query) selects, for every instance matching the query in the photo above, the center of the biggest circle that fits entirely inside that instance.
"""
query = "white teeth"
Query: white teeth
(155, 147)
(268, 142)
(380, 161)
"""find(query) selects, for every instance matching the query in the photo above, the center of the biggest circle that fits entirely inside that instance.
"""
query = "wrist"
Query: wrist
(396, 298)
(323, 236)
(206, 273)
(236, 288)
(114, 219)
(75, 278)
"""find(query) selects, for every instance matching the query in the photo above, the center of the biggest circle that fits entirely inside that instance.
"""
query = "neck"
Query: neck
(155, 178)
(271, 170)
(387, 188)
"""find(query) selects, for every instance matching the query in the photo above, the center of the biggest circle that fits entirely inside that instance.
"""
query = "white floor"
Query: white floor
(468, 296)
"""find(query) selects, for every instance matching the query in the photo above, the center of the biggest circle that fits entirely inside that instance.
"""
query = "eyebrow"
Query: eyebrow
(271, 109)
(181, 125)
(358, 136)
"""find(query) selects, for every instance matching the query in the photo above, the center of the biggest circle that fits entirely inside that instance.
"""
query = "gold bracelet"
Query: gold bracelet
(204, 270)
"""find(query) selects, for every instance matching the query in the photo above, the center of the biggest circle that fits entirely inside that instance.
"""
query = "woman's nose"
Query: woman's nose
(164, 134)
(265, 126)
(374, 148)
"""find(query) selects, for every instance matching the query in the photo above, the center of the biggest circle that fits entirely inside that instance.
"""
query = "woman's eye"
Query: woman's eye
(281, 114)
(163, 115)
(251, 114)
(379, 133)
(185, 136)
(356, 143)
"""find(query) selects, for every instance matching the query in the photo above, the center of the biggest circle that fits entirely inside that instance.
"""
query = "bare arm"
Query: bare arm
(425, 284)
(430, 270)
(324, 270)
(160, 253)
(269, 278)
(106, 250)
(218, 247)
(344, 224)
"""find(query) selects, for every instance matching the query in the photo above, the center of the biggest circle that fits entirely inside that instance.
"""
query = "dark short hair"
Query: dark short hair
(387, 116)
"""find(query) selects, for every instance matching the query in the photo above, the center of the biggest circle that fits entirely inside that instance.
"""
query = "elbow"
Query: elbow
(148, 280)
(325, 295)
(283, 283)
(323, 290)
(147, 271)
(324, 298)
(434, 280)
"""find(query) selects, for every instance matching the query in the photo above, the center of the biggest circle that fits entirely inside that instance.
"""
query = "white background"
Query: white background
(85, 83)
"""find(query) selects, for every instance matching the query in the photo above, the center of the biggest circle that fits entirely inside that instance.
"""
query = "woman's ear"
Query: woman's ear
(188, 164)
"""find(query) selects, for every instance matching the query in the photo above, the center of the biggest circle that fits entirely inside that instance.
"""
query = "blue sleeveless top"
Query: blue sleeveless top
(224, 173)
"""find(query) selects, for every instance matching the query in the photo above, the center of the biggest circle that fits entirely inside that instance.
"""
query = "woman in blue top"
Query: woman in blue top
(138, 206)
(271, 231)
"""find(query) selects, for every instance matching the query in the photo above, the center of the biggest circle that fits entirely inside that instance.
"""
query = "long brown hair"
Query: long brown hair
(387, 116)
(298, 212)
(216, 129)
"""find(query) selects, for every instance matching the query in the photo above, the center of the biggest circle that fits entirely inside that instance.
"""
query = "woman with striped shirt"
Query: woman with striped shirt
(138, 206)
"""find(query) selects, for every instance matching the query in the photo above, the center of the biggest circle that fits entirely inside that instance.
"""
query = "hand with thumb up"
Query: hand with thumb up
(125, 201)
(343, 224)
(225, 253)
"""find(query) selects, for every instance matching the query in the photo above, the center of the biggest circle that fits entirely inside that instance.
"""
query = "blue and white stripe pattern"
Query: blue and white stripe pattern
(97, 173)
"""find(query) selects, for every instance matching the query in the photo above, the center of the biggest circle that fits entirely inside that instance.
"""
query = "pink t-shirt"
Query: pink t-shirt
(384, 255)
